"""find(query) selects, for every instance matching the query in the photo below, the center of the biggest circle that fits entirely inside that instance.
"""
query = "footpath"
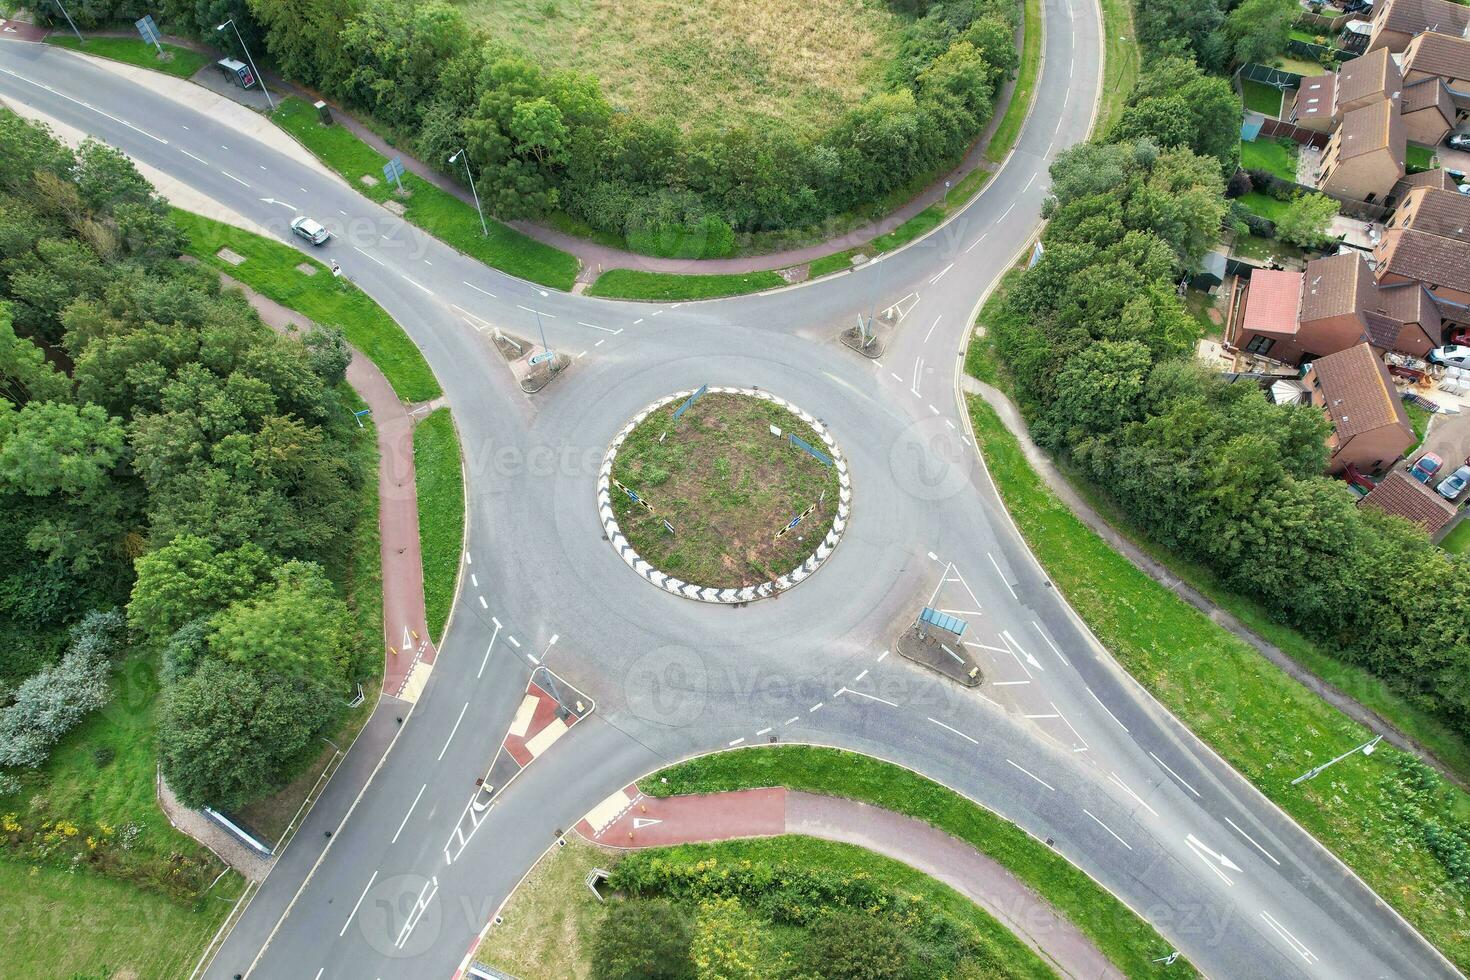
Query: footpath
(628, 819)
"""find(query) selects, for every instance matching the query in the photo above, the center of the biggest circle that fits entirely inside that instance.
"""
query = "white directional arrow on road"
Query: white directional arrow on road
(271, 200)
(1206, 855)
(640, 822)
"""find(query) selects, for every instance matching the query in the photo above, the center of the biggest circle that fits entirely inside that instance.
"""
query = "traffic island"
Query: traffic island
(869, 335)
(941, 651)
(724, 494)
(533, 366)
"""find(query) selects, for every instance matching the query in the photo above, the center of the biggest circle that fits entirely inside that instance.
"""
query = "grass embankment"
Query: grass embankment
(59, 924)
(440, 482)
(1019, 107)
(727, 485)
(1127, 940)
(177, 61)
(1370, 811)
(270, 268)
(551, 921)
(669, 286)
(1122, 58)
(436, 211)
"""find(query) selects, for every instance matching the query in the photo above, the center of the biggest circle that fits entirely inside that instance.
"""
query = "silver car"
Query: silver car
(1453, 485)
(310, 230)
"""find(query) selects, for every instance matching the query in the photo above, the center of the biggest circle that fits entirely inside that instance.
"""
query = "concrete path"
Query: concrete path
(1059, 485)
(661, 822)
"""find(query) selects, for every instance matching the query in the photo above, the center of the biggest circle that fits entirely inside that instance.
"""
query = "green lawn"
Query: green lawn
(438, 212)
(1458, 540)
(1418, 159)
(1265, 724)
(440, 482)
(1264, 204)
(270, 268)
(1020, 105)
(177, 61)
(59, 924)
(668, 286)
(1276, 156)
(1130, 942)
(1260, 97)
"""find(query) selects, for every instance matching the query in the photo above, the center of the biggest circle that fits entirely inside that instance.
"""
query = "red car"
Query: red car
(1425, 468)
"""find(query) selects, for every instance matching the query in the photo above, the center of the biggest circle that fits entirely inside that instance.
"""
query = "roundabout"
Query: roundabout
(724, 494)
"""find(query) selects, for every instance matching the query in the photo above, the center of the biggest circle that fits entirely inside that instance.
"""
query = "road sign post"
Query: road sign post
(690, 401)
(393, 170)
(148, 31)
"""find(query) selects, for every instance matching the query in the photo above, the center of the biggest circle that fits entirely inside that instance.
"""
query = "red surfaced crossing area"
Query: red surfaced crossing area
(630, 819)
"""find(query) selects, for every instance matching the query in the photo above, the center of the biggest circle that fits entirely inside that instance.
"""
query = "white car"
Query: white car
(310, 230)
(1451, 486)
(1451, 355)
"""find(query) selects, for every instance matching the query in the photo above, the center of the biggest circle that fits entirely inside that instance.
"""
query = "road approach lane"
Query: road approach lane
(1072, 749)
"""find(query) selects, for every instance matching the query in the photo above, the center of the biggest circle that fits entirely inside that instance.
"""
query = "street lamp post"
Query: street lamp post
(71, 22)
(258, 76)
(542, 330)
(1366, 748)
(484, 230)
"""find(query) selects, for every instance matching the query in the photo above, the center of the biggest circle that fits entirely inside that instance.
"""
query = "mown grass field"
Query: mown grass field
(440, 482)
(177, 61)
(709, 62)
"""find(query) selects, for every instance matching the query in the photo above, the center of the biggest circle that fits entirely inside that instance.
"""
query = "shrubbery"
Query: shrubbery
(55, 699)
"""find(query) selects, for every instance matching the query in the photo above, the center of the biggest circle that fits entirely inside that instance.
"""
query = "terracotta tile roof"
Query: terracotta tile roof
(1417, 16)
(1271, 303)
(1315, 98)
(1429, 94)
(1437, 177)
(1336, 285)
(1372, 77)
(1383, 330)
(1439, 54)
(1436, 212)
(1425, 258)
(1401, 494)
(1410, 302)
(1370, 129)
(1358, 392)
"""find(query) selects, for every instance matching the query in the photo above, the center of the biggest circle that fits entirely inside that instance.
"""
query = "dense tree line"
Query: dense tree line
(1100, 346)
(542, 140)
(161, 451)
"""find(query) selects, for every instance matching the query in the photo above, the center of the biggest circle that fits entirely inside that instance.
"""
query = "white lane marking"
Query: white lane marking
(761, 732)
(485, 661)
(1040, 716)
(1083, 747)
(896, 377)
(1105, 708)
(468, 560)
(261, 166)
(234, 178)
(1053, 646)
(223, 147)
(933, 409)
(1295, 943)
(815, 707)
(985, 646)
(934, 557)
(359, 899)
(736, 742)
(950, 423)
(478, 289)
(1010, 641)
(413, 282)
(549, 316)
(1002, 575)
(404, 823)
(918, 366)
(483, 603)
(955, 730)
(870, 697)
(418, 911)
(453, 730)
(320, 970)
(1253, 842)
(1003, 215)
(1029, 183)
(1033, 776)
(84, 105)
(637, 321)
(603, 329)
(1008, 683)
(1021, 663)
(882, 655)
(1124, 786)
(793, 718)
(975, 242)
(860, 676)
(193, 157)
(513, 641)
(988, 701)
(474, 580)
(941, 276)
(373, 257)
(1107, 828)
(961, 612)
(1178, 777)
(600, 342)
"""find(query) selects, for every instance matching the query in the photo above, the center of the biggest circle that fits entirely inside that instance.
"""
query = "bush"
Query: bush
(1239, 185)
(643, 939)
(53, 701)
(849, 946)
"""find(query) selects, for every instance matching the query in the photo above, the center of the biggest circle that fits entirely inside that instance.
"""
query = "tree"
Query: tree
(1098, 391)
(227, 735)
(298, 628)
(1176, 104)
(1183, 28)
(1259, 29)
(301, 36)
(1182, 202)
(850, 946)
(188, 578)
(25, 374)
(643, 939)
(328, 354)
(58, 448)
(1306, 220)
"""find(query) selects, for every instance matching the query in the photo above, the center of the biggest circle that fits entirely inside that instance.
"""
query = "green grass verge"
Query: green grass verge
(1418, 159)
(177, 61)
(270, 268)
(1122, 59)
(59, 924)
(437, 212)
(1019, 107)
(440, 482)
(1265, 724)
(1127, 940)
(1458, 540)
(1260, 97)
(1268, 154)
(636, 284)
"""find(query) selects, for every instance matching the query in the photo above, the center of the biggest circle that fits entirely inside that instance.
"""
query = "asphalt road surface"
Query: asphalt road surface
(1059, 740)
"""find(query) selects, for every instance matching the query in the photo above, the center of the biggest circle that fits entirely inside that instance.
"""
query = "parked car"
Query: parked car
(310, 230)
(1451, 486)
(1458, 141)
(1451, 355)
(1425, 468)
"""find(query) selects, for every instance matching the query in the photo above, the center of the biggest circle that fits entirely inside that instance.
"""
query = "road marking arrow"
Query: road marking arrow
(640, 822)
(1205, 854)
(271, 200)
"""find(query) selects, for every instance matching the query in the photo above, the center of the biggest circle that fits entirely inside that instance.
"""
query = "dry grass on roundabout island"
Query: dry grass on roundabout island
(726, 485)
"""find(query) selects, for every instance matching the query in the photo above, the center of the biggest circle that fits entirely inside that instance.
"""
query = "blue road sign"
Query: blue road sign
(393, 170)
(690, 401)
(816, 454)
(545, 355)
(147, 29)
